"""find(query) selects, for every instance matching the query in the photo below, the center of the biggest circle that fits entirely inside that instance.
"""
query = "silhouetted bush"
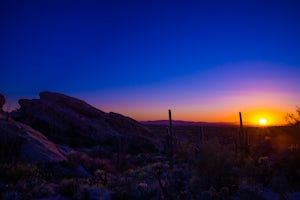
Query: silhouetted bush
(12, 173)
(68, 188)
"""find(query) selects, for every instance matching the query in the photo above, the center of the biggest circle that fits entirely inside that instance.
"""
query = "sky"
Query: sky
(205, 60)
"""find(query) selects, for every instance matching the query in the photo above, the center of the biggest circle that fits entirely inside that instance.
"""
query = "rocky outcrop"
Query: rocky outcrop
(73, 122)
(19, 142)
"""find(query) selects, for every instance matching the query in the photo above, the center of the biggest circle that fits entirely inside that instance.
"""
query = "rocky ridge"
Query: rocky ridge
(70, 121)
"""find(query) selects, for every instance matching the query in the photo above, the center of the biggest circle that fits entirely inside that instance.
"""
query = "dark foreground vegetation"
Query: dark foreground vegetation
(200, 163)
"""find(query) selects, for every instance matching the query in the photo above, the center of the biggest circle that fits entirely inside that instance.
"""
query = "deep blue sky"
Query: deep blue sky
(101, 49)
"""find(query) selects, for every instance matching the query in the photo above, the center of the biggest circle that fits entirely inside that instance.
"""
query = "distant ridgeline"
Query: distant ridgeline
(187, 123)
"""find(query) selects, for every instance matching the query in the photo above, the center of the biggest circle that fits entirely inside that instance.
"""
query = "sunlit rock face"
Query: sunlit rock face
(20, 142)
(73, 122)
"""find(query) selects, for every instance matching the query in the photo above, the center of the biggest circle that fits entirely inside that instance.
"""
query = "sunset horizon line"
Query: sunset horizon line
(225, 123)
(139, 111)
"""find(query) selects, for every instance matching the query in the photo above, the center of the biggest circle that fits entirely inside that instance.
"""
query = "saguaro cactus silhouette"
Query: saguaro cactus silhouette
(243, 135)
(241, 131)
(171, 134)
(2, 102)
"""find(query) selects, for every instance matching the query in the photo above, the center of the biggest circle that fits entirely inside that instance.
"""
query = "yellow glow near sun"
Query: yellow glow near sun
(262, 121)
(266, 117)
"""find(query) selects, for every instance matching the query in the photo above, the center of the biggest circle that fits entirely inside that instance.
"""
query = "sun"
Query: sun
(262, 121)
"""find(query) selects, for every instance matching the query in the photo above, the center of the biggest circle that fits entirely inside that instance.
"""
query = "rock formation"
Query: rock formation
(19, 142)
(70, 121)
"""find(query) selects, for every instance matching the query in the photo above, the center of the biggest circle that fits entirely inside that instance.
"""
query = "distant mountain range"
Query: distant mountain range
(187, 123)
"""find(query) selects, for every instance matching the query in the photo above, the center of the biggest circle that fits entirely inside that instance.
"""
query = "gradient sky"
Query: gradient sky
(205, 60)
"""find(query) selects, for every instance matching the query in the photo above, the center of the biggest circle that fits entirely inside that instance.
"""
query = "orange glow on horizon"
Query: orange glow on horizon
(250, 118)
(224, 108)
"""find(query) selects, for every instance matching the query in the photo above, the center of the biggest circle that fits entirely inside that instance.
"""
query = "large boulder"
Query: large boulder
(19, 142)
(73, 122)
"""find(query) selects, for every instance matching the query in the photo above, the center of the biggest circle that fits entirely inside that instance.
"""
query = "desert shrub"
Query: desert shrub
(139, 183)
(134, 191)
(184, 149)
(91, 193)
(172, 182)
(178, 183)
(294, 118)
(246, 192)
(12, 173)
(11, 195)
(278, 184)
(89, 163)
(68, 187)
(288, 164)
(57, 171)
(120, 162)
(213, 163)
